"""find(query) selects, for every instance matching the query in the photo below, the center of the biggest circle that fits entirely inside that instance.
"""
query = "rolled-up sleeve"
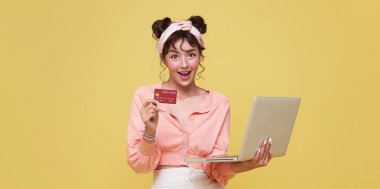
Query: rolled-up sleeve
(221, 171)
(142, 157)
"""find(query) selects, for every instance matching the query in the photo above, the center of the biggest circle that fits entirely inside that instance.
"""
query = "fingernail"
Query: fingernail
(265, 141)
(157, 102)
(258, 150)
(270, 140)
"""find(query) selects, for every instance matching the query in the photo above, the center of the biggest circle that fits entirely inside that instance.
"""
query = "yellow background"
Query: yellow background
(68, 70)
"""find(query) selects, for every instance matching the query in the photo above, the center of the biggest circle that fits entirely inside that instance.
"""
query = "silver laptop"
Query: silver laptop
(270, 117)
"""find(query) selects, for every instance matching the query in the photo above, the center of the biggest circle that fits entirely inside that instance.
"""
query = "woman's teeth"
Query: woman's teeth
(185, 73)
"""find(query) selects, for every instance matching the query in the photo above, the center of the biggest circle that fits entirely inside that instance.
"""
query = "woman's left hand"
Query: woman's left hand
(261, 158)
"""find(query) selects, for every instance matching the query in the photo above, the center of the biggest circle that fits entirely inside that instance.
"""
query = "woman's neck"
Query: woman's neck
(182, 92)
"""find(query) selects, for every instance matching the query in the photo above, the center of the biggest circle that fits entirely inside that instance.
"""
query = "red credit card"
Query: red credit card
(165, 96)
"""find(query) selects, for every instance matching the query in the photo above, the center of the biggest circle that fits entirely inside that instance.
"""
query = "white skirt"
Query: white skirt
(183, 178)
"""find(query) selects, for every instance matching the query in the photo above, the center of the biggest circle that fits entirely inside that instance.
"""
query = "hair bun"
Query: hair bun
(159, 26)
(199, 23)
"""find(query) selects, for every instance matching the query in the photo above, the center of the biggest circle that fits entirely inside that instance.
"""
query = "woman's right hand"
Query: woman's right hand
(261, 158)
(149, 115)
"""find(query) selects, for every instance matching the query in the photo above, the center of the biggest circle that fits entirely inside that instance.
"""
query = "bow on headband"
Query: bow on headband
(175, 26)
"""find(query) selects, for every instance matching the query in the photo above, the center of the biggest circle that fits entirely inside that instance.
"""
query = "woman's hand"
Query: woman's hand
(261, 158)
(149, 115)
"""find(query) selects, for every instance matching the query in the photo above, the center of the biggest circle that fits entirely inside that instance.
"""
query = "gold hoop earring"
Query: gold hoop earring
(162, 71)
(199, 74)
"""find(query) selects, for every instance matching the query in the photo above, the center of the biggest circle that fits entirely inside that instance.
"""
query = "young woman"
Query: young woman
(160, 136)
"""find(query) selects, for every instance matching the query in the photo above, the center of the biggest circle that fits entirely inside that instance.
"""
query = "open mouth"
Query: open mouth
(184, 73)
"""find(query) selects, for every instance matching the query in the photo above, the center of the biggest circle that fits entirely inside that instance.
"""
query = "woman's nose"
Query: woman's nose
(184, 62)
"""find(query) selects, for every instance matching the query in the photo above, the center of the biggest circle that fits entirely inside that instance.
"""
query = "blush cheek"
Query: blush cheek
(172, 68)
(194, 70)
(194, 65)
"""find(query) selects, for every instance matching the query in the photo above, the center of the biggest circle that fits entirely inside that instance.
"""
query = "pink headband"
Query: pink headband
(175, 26)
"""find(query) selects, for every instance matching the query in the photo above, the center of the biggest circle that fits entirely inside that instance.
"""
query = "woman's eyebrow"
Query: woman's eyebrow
(190, 50)
(176, 51)
(173, 50)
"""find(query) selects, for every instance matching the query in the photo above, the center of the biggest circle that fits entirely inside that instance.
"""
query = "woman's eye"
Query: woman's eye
(192, 55)
(174, 56)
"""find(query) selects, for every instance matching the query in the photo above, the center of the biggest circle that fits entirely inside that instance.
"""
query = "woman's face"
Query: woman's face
(182, 61)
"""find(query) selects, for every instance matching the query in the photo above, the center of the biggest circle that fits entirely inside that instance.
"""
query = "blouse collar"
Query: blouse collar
(203, 107)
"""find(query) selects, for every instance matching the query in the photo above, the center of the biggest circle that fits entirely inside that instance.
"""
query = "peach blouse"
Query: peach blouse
(204, 134)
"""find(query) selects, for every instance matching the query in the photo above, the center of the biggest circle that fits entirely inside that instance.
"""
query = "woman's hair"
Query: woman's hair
(159, 26)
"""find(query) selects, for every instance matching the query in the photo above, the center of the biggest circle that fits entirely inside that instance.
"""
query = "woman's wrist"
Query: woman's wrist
(235, 167)
(239, 167)
(147, 140)
(149, 135)
(149, 131)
